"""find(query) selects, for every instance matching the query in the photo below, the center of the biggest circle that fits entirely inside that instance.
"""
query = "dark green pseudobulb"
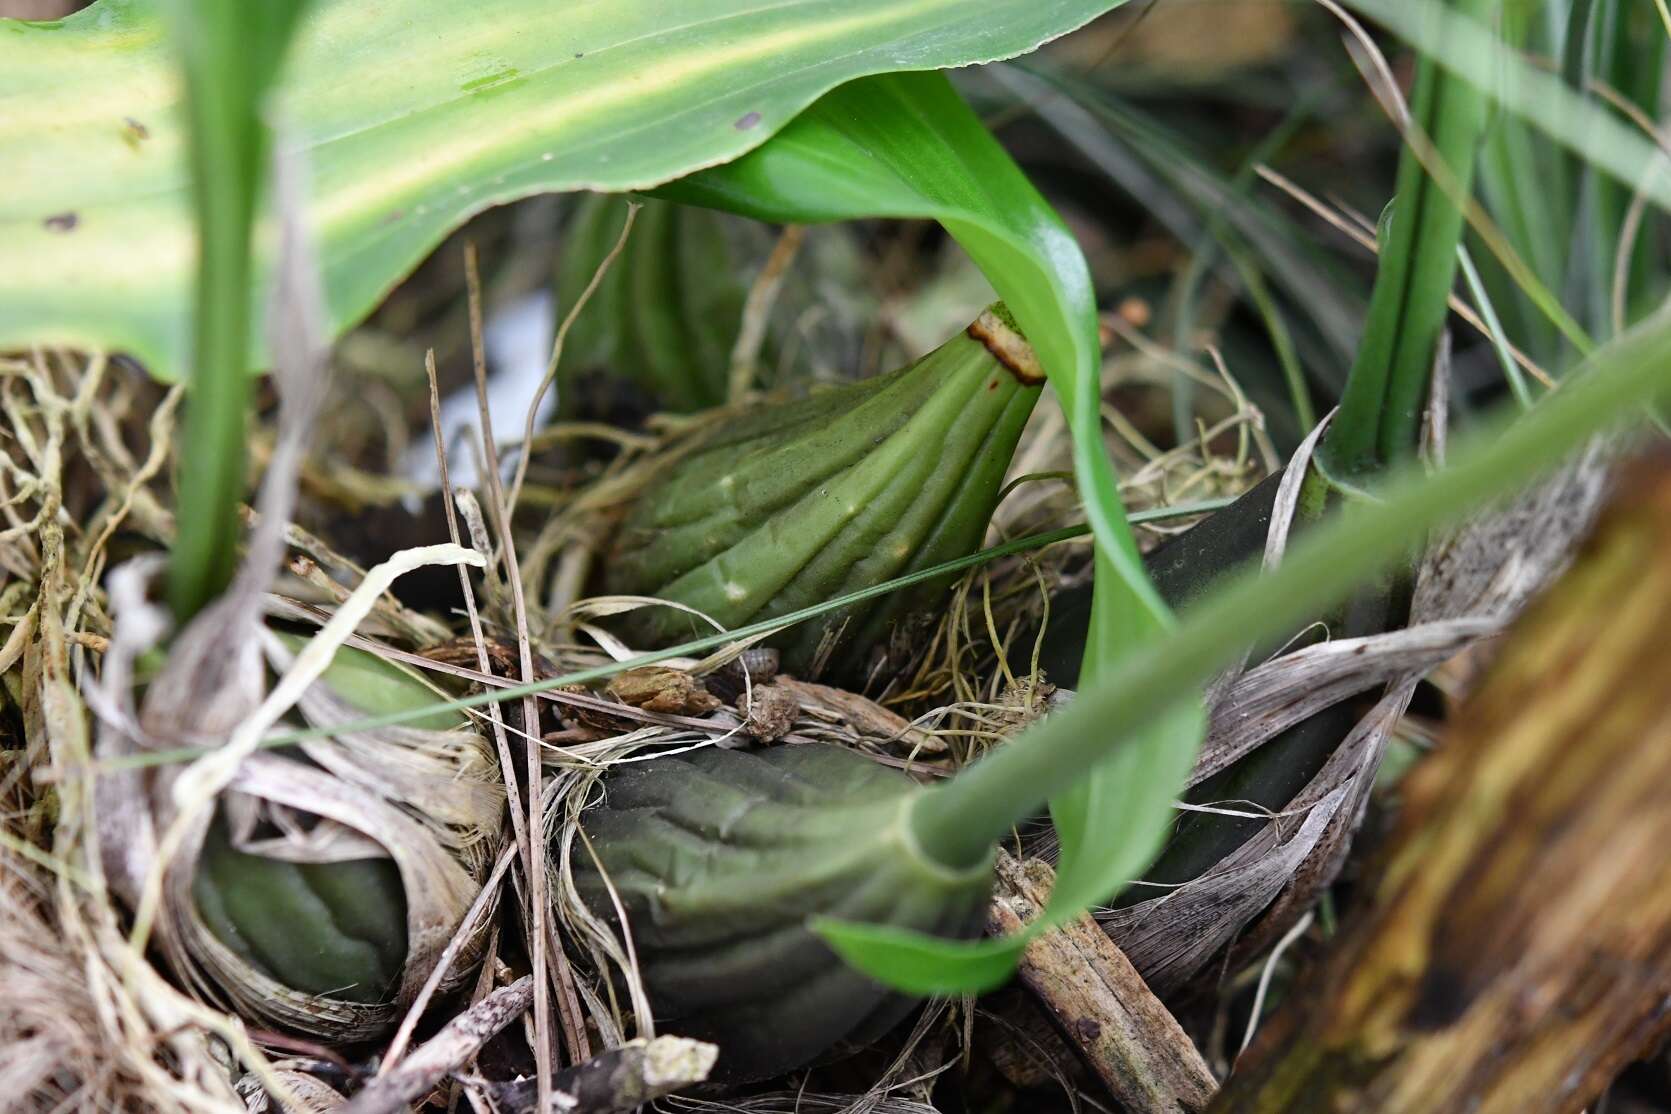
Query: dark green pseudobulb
(336, 929)
(719, 857)
(800, 502)
(664, 316)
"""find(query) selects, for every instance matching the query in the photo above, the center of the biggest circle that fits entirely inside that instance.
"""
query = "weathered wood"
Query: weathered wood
(444, 1053)
(617, 1080)
(1099, 1001)
(1515, 951)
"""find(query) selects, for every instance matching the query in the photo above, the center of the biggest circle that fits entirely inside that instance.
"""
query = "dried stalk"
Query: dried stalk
(619, 1080)
(1099, 1001)
(444, 1053)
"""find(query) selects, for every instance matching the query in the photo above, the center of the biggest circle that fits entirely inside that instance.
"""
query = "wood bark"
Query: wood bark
(1514, 953)
(1099, 1001)
(444, 1053)
(618, 1080)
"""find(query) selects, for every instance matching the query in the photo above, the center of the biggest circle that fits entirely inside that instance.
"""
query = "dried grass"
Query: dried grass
(49, 1030)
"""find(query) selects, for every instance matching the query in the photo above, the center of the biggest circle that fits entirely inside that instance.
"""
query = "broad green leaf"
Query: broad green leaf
(905, 145)
(412, 116)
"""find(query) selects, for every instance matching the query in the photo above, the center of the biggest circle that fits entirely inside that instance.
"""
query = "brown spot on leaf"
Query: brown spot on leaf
(62, 222)
(747, 121)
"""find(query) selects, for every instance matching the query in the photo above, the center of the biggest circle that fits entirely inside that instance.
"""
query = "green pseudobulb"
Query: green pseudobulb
(797, 503)
(336, 929)
(663, 317)
(719, 857)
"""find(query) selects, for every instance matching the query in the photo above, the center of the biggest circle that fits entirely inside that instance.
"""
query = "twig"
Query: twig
(483, 987)
(1093, 993)
(619, 1080)
(460, 1039)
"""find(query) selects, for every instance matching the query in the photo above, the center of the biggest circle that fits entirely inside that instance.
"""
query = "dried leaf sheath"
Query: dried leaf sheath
(802, 502)
(320, 905)
(317, 899)
(315, 854)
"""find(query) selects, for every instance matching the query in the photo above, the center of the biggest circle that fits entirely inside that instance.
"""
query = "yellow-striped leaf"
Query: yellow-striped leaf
(412, 116)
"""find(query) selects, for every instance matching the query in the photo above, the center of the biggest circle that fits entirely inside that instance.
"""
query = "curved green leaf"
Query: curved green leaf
(412, 117)
(905, 145)
(917, 963)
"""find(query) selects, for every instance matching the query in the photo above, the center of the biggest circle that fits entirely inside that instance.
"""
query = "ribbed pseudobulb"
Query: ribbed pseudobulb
(720, 857)
(797, 503)
(664, 315)
(329, 877)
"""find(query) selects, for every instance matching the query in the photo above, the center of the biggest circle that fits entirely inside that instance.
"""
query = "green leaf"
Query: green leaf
(1380, 411)
(1114, 824)
(918, 963)
(412, 117)
(229, 52)
(1174, 180)
(376, 685)
(1586, 126)
(905, 145)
